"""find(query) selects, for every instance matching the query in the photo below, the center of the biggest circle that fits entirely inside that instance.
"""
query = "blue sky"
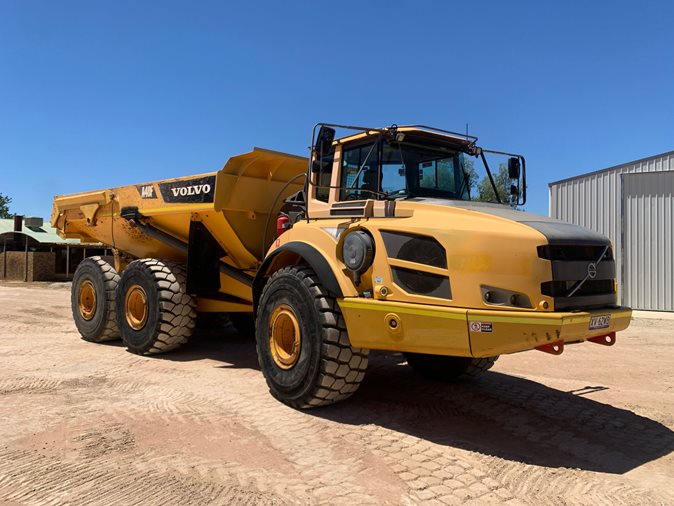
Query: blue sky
(97, 94)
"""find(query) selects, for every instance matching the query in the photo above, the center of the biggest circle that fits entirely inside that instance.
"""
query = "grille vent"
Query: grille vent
(415, 248)
(421, 250)
(590, 287)
(573, 252)
(422, 283)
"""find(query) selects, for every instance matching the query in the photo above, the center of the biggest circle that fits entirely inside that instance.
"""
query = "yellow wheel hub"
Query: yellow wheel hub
(87, 300)
(284, 337)
(135, 307)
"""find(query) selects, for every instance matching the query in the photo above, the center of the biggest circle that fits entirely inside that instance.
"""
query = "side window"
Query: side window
(323, 177)
(360, 172)
(437, 175)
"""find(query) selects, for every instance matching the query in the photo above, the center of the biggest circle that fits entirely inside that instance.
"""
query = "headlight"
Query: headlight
(358, 253)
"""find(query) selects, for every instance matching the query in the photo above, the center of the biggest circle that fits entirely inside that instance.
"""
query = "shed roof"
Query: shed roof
(614, 167)
(44, 234)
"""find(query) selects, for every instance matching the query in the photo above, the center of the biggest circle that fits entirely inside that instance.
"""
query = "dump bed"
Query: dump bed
(234, 204)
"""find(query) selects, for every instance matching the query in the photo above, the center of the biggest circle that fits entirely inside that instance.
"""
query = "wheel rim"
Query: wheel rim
(284, 337)
(87, 300)
(135, 307)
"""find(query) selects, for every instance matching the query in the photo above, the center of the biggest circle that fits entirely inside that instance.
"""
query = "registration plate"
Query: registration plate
(600, 322)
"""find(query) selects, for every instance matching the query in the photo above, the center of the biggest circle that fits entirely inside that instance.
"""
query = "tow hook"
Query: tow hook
(607, 340)
(555, 348)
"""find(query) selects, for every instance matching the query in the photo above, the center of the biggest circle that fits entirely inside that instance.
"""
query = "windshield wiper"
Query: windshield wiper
(360, 170)
(465, 181)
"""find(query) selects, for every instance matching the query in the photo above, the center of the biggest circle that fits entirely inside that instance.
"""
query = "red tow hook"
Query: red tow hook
(607, 340)
(555, 348)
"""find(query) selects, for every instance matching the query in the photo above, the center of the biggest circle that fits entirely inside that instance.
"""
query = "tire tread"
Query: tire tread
(339, 360)
(177, 309)
(110, 278)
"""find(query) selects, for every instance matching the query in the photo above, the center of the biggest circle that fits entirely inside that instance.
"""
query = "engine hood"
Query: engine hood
(555, 231)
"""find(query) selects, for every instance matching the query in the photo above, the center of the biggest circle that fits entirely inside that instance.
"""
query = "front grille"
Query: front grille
(572, 263)
(590, 287)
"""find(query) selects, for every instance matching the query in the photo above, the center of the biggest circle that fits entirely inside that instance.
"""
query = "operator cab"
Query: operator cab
(364, 174)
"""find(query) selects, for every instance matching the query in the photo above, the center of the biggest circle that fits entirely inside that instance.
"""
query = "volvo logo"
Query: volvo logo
(592, 270)
(196, 190)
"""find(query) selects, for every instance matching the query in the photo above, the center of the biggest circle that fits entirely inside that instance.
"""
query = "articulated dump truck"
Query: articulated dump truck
(379, 240)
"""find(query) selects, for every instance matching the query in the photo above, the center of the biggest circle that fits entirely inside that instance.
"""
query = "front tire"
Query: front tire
(154, 312)
(445, 368)
(92, 299)
(302, 344)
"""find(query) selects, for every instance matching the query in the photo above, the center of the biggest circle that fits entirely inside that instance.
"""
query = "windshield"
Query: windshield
(412, 170)
(392, 169)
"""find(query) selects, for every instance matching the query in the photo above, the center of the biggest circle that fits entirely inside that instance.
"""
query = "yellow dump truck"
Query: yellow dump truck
(378, 240)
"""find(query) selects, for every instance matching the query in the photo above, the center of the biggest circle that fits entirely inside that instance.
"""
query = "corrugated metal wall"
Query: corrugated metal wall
(648, 257)
(595, 200)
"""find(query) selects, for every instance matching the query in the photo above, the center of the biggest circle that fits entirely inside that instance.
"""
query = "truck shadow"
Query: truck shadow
(221, 343)
(503, 416)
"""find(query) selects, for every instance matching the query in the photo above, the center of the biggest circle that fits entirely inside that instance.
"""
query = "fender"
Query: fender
(308, 254)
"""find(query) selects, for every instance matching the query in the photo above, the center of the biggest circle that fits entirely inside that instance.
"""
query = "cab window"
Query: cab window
(324, 176)
(360, 172)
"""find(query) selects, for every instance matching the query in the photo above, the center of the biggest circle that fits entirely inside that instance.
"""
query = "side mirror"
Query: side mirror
(514, 168)
(326, 136)
(514, 190)
(324, 166)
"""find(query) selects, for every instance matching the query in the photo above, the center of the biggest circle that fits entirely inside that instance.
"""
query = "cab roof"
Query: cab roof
(417, 132)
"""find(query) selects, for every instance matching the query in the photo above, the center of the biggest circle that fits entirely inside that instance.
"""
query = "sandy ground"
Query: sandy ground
(83, 423)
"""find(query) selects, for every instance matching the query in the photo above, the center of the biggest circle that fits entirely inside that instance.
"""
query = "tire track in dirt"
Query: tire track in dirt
(40, 480)
(303, 444)
(28, 385)
(199, 425)
(331, 447)
(560, 427)
(426, 470)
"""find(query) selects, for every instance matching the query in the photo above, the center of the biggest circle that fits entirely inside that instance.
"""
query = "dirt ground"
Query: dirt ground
(83, 423)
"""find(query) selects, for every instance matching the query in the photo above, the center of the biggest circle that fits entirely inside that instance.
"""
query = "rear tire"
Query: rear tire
(92, 299)
(154, 313)
(302, 344)
(446, 368)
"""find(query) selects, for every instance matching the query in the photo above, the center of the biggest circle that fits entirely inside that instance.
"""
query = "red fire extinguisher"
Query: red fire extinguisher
(282, 224)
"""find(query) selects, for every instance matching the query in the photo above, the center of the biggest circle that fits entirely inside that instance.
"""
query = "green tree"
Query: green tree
(4, 206)
(501, 180)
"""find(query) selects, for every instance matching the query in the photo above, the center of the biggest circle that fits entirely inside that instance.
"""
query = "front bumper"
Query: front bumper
(443, 330)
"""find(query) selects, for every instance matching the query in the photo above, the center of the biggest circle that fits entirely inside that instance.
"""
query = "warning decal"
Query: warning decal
(480, 327)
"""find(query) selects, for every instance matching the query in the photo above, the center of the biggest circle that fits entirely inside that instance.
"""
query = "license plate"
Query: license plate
(600, 322)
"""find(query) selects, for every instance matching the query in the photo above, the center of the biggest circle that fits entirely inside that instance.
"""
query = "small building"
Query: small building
(632, 204)
(33, 251)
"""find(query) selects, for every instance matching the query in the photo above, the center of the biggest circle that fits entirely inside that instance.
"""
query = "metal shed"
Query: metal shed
(632, 204)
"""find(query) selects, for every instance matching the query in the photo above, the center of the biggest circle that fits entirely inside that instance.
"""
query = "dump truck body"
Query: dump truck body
(375, 242)
(153, 220)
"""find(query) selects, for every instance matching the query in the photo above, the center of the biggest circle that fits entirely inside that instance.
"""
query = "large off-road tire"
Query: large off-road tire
(446, 368)
(302, 344)
(154, 313)
(92, 299)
